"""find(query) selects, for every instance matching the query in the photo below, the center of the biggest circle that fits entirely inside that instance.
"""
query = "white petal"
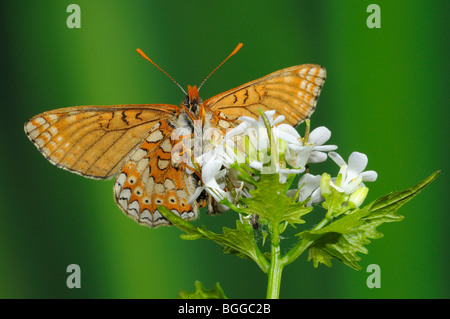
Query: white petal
(307, 184)
(216, 192)
(298, 158)
(298, 147)
(357, 162)
(343, 171)
(196, 194)
(210, 170)
(336, 158)
(248, 119)
(221, 174)
(261, 140)
(256, 165)
(352, 185)
(278, 120)
(339, 189)
(369, 176)
(319, 135)
(238, 130)
(316, 197)
(292, 170)
(286, 136)
(269, 114)
(288, 129)
(317, 157)
(325, 148)
(284, 173)
(282, 176)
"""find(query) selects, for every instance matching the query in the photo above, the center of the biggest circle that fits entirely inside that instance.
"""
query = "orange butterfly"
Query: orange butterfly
(134, 141)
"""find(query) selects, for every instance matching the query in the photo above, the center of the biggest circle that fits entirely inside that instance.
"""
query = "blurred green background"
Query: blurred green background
(386, 95)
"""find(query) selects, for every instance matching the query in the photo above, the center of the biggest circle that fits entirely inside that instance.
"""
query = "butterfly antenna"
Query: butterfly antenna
(239, 46)
(142, 54)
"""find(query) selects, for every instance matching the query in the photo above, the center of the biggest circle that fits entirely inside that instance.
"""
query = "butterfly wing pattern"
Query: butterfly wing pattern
(135, 142)
(292, 92)
(93, 141)
(149, 178)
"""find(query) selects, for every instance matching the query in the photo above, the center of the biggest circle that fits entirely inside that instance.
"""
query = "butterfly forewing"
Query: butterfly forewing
(292, 92)
(94, 141)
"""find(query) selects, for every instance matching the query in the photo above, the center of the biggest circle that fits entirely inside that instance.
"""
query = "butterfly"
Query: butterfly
(134, 142)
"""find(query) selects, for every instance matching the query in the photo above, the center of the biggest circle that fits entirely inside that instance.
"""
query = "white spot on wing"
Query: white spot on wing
(169, 184)
(158, 218)
(162, 164)
(322, 73)
(150, 184)
(124, 197)
(120, 181)
(166, 146)
(52, 117)
(146, 217)
(34, 134)
(319, 81)
(142, 164)
(40, 121)
(303, 84)
(159, 188)
(40, 142)
(155, 137)
(133, 209)
(302, 71)
(139, 154)
(30, 127)
(53, 130)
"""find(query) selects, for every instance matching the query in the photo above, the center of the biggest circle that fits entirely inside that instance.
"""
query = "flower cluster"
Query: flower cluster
(267, 146)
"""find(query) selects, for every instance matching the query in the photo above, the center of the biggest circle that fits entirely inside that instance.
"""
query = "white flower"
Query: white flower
(309, 186)
(317, 138)
(351, 176)
(211, 174)
(312, 151)
(258, 147)
(249, 143)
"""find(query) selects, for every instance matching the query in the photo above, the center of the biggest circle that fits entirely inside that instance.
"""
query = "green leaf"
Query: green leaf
(202, 293)
(239, 241)
(270, 202)
(345, 237)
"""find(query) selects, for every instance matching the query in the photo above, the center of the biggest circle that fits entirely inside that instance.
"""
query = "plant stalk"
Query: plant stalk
(276, 265)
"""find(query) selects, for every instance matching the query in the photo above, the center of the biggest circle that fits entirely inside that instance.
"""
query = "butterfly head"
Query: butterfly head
(192, 100)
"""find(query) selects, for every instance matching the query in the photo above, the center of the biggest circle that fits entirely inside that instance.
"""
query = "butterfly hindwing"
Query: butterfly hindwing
(150, 178)
(94, 141)
(292, 92)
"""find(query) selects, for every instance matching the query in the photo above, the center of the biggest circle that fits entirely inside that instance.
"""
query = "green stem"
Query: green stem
(322, 223)
(276, 265)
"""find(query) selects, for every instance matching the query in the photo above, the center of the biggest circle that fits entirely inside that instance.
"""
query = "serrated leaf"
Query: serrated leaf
(270, 202)
(239, 241)
(347, 236)
(202, 293)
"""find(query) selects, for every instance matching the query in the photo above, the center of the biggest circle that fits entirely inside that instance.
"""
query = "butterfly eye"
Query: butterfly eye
(200, 100)
(186, 101)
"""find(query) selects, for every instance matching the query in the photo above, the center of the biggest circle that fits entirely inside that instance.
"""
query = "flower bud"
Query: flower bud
(358, 196)
(325, 188)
